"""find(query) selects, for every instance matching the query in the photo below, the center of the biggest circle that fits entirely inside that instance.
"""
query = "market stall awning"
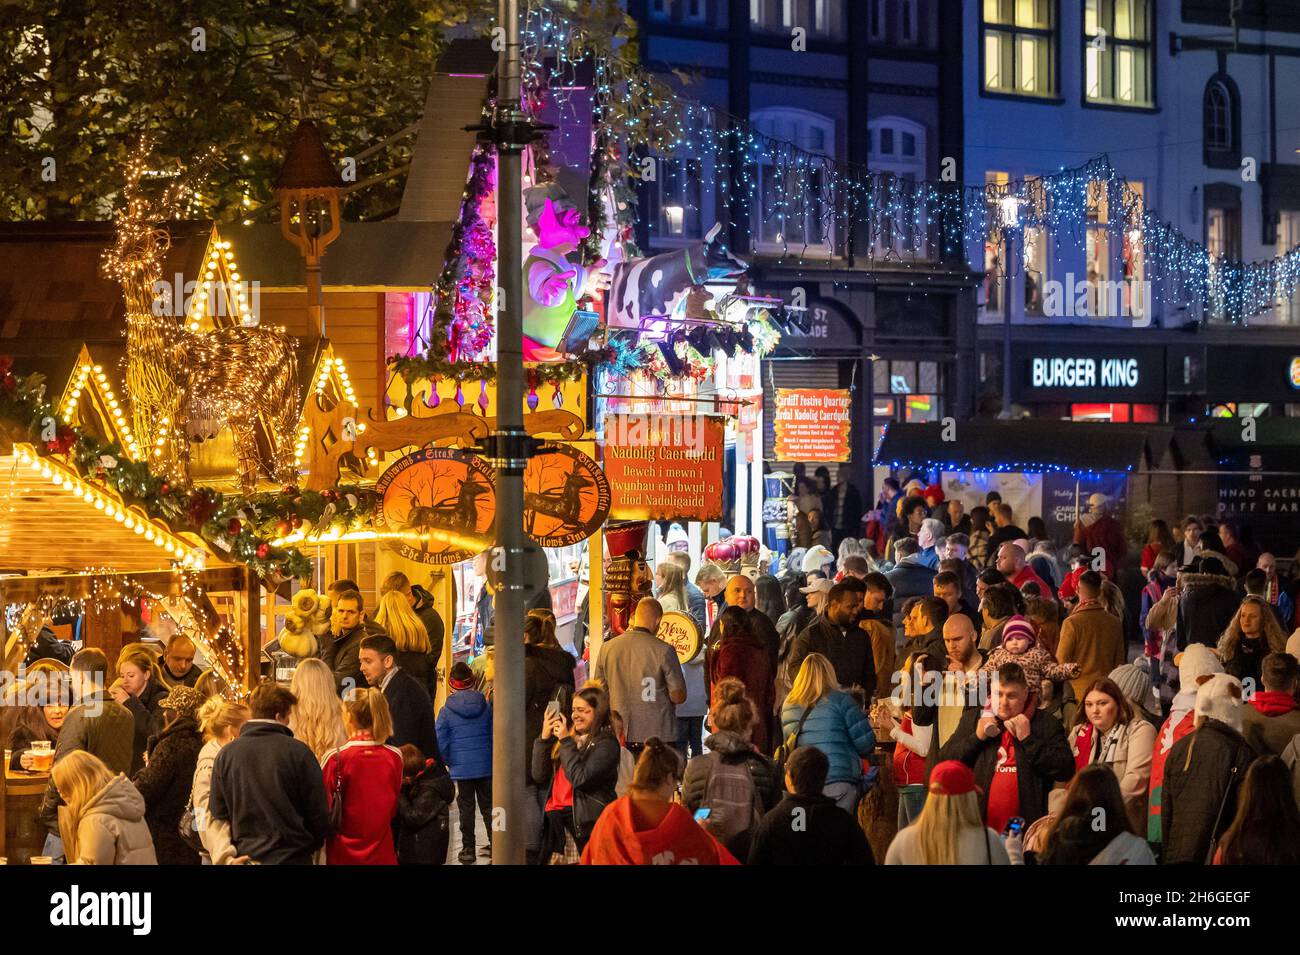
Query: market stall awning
(58, 523)
(1030, 445)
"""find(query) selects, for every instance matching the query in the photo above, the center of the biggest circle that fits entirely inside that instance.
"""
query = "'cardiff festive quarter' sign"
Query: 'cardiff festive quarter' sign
(663, 467)
(812, 424)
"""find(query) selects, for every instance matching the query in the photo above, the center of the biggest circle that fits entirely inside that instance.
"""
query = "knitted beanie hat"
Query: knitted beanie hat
(1018, 627)
(1219, 698)
(1134, 682)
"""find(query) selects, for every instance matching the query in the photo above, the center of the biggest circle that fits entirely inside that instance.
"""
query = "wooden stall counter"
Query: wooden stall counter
(21, 835)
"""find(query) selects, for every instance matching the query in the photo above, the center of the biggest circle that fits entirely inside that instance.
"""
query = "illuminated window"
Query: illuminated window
(993, 251)
(1019, 42)
(794, 204)
(1117, 52)
(1102, 296)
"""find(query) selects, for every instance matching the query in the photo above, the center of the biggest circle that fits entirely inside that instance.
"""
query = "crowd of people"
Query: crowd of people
(968, 666)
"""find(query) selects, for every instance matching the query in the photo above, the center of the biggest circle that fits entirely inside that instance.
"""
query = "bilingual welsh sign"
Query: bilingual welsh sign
(679, 631)
(812, 424)
(665, 467)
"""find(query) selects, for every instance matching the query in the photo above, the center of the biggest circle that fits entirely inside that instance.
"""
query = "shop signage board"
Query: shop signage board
(665, 467)
(812, 424)
(441, 502)
(1059, 500)
(1081, 373)
(679, 631)
(1268, 503)
(566, 496)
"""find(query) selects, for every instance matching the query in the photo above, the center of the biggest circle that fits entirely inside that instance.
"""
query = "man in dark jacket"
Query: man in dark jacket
(1207, 603)
(412, 711)
(836, 636)
(1016, 754)
(268, 787)
(348, 627)
(1005, 530)
(910, 577)
(740, 593)
(47, 646)
(923, 620)
(97, 725)
(826, 835)
(1203, 774)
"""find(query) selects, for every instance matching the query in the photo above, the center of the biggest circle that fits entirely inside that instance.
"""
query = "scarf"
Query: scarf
(1272, 592)
(1273, 702)
(1092, 747)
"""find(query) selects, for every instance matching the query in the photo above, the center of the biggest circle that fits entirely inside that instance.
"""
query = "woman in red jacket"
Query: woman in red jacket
(647, 826)
(741, 654)
(367, 775)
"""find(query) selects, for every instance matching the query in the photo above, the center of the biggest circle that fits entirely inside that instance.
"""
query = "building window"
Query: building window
(906, 390)
(1118, 51)
(1221, 109)
(794, 208)
(1288, 237)
(675, 200)
(896, 146)
(696, 12)
(908, 22)
(1137, 292)
(1032, 209)
(1102, 295)
(879, 21)
(1019, 43)
(821, 18)
(993, 249)
(896, 21)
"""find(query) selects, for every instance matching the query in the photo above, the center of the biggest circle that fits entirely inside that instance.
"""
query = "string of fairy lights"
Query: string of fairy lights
(803, 203)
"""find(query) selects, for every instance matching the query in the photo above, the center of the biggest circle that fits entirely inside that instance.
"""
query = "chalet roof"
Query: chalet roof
(53, 296)
(390, 254)
(307, 163)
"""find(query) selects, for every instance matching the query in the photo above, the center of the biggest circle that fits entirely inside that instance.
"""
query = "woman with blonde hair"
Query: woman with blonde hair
(102, 819)
(670, 587)
(366, 774)
(316, 718)
(949, 830)
(220, 722)
(415, 653)
(140, 688)
(818, 713)
(1253, 634)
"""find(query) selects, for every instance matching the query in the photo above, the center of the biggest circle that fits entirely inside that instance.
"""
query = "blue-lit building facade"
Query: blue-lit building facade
(873, 86)
(1192, 104)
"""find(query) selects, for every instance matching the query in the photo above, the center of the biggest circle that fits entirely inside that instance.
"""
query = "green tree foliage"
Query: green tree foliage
(81, 80)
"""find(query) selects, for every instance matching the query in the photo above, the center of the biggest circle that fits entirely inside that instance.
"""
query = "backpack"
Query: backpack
(731, 798)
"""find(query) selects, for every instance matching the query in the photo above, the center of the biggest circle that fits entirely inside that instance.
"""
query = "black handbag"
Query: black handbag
(336, 802)
(188, 828)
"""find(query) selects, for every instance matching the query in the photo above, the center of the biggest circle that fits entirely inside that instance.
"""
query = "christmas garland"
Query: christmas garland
(243, 526)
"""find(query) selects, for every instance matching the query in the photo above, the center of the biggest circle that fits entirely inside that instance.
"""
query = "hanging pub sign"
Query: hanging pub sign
(438, 504)
(665, 467)
(566, 496)
(679, 631)
(812, 424)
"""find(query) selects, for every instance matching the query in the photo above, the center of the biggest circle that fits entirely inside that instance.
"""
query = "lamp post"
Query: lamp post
(511, 130)
(1010, 207)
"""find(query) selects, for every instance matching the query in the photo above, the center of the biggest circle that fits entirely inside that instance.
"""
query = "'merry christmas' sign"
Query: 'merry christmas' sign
(812, 424)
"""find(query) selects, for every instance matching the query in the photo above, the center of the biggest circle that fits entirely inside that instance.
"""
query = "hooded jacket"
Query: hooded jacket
(166, 783)
(100, 726)
(1270, 721)
(592, 771)
(424, 816)
(838, 727)
(465, 735)
(1199, 779)
(730, 749)
(677, 840)
(1205, 609)
(112, 830)
(546, 669)
(1042, 758)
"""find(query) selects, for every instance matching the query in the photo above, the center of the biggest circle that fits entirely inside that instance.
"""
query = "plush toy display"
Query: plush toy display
(307, 620)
